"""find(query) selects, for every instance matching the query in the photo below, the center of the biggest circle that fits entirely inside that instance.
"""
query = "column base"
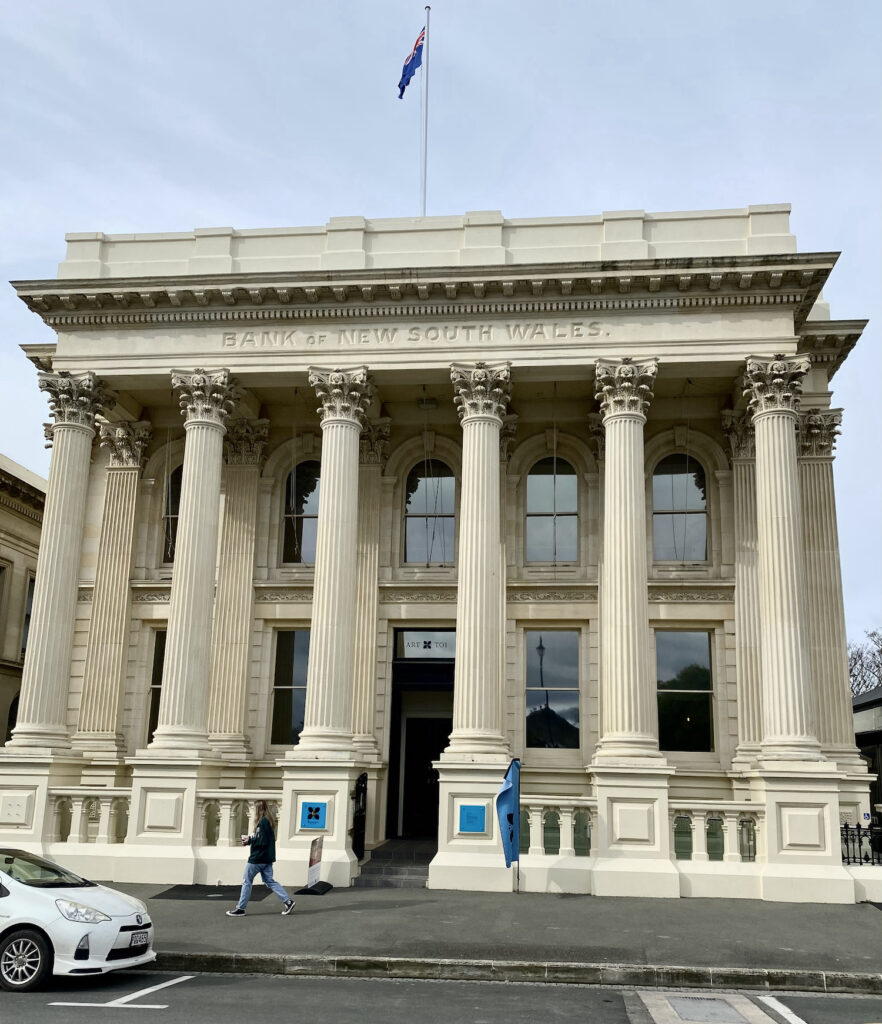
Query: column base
(777, 750)
(635, 752)
(316, 803)
(323, 745)
(473, 745)
(101, 744)
(36, 742)
(175, 741)
(470, 855)
(229, 745)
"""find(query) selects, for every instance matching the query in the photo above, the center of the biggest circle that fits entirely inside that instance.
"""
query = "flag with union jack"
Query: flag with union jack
(414, 60)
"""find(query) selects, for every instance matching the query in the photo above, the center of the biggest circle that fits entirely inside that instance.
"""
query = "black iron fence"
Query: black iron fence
(861, 844)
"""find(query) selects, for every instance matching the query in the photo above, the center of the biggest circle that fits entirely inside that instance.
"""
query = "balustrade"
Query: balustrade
(715, 831)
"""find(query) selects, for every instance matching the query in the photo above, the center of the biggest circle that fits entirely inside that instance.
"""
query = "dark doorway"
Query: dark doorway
(424, 739)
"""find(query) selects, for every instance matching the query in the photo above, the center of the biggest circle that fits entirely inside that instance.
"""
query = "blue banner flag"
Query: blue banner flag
(508, 810)
(414, 60)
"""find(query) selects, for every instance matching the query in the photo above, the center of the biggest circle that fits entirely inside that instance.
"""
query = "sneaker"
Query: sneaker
(237, 913)
(289, 906)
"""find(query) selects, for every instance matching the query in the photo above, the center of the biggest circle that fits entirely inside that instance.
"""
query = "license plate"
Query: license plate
(139, 938)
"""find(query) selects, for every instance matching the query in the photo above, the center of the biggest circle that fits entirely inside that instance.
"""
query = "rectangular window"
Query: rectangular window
(156, 682)
(685, 690)
(29, 603)
(289, 686)
(552, 688)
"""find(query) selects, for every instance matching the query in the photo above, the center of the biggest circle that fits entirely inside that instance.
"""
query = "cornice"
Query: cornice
(15, 493)
(828, 342)
(791, 280)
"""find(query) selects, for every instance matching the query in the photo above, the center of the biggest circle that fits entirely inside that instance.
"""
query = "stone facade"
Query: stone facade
(401, 500)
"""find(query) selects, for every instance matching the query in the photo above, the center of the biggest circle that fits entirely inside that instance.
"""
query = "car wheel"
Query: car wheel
(25, 960)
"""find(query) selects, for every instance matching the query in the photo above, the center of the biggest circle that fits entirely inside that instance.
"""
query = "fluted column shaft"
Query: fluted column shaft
(627, 687)
(373, 446)
(482, 395)
(747, 615)
(824, 605)
(206, 400)
(244, 443)
(74, 400)
(788, 719)
(98, 729)
(327, 728)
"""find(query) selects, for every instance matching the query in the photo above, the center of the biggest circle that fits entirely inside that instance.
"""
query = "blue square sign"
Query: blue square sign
(472, 818)
(313, 814)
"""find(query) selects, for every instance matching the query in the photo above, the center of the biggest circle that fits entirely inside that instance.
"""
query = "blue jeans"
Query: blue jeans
(266, 873)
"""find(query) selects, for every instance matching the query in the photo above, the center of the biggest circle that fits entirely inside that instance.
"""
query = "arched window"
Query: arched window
(172, 508)
(301, 513)
(679, 510)
(430, 513)
(552, 512)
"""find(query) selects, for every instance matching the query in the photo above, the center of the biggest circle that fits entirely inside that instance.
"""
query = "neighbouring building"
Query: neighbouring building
(867, 709)
(397, 500)
(22, 497)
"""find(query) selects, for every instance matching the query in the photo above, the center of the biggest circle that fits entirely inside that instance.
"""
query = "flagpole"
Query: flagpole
(425, 107)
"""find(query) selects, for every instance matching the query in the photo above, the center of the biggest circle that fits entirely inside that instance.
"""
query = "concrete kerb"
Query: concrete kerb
(550, 972)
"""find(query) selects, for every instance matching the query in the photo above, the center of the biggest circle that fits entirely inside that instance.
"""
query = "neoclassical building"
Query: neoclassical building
(370, 508)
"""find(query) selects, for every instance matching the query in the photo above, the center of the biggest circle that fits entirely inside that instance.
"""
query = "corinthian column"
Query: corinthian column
(773, 387)
(374, 446)
(481, 394)
(74, 401)
(98, 729)
(627, 686)
(243, 449)
(206, 398)
(825, 612)
(739, 430)
(327, 727)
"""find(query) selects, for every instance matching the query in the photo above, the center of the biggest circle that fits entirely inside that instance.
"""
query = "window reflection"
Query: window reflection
(552, 688)
(429, 513)
(289, 686)
(301, 513)
(172, 509)
(552, 512)
(685, 690)
(679, 510)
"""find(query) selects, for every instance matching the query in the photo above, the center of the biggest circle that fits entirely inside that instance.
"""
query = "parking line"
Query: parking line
(783, 1010)
(126, 1001)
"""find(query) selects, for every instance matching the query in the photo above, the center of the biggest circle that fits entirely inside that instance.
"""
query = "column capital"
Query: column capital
(75, 399)
(245, 441)
(126, 442)
(481, 390)
(738, 428)
(624, 386)
(507, 435)
(344, 394)
(207, 395)
(374, 442)
(774, 385)
(596, 436)
(817, 430)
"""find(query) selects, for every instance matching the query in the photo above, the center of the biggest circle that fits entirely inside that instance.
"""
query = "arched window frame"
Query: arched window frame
(149, 552)
(719, 511)
(430, 469)
(554, 515)
(269, 541)
(293, 516)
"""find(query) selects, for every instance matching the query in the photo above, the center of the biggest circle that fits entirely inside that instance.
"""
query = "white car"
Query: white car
(54, 922)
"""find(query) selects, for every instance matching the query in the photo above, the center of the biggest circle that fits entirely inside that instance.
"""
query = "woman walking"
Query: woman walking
(260, 861)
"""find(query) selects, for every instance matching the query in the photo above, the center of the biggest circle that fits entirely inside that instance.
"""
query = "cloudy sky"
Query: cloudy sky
(164, 116)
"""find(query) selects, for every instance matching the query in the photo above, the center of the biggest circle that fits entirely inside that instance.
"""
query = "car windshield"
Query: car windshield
(41, 874)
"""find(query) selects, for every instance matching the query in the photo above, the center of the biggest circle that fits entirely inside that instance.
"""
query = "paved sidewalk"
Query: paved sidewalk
(430, 933)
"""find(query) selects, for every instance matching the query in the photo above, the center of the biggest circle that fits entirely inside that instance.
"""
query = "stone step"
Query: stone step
(388, 868)
(390, 882)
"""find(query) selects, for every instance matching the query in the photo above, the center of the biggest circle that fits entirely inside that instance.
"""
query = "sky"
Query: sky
(165, 116)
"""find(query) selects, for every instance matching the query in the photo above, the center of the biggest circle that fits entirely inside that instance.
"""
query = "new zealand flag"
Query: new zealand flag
(414, 60)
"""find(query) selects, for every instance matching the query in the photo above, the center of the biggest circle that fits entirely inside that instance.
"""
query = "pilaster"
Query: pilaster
(98, 731)
(74, 401)
(243, 450)
(206, 399)
(739, 431)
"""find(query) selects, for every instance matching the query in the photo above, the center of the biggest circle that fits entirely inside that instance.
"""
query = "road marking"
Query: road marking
(126, 1001)
(781, 1009)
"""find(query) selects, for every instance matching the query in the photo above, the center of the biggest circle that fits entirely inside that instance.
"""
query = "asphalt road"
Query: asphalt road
(207, 998)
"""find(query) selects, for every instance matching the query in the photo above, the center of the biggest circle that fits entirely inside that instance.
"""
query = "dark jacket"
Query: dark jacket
(263, 844)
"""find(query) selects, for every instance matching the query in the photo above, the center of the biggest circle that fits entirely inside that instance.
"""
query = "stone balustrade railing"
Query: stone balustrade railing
(716, 830)
(226, 814)
(82, 814)
(556, 827)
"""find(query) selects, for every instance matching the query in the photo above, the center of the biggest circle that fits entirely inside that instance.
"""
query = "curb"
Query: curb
(549, 972)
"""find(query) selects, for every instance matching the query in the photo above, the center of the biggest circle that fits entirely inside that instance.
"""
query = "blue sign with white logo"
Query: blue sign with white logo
(313, 814)
(472, 818)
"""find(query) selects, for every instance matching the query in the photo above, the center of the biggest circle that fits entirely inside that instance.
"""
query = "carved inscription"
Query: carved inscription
(467, 335)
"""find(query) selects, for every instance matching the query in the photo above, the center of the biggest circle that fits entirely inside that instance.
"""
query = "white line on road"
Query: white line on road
(126, 1001)
(781, 1009)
